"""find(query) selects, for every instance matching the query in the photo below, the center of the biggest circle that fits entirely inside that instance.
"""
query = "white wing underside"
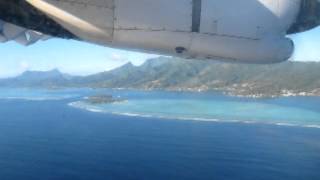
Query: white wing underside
(10, 32)
(251, 31)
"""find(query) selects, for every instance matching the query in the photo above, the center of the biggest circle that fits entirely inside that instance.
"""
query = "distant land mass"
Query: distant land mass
(164, 73)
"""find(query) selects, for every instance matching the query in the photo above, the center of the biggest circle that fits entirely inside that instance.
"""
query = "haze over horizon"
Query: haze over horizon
(80, 58)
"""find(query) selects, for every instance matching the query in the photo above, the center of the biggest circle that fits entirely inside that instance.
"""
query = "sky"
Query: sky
(80, 58)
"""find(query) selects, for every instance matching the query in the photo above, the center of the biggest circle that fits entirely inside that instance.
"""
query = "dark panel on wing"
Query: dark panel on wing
(20, 13)
(309, 17)
(196, 15)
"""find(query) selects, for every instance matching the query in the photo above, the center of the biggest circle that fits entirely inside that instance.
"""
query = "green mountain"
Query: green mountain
(289, 78)
(53, 78)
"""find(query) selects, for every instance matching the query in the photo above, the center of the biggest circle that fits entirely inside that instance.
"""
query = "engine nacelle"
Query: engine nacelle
(205, 46)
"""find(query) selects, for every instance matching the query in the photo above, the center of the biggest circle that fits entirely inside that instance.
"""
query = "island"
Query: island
(103, 99)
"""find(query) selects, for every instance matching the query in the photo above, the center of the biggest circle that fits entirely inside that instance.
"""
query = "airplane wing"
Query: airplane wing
(252, 31)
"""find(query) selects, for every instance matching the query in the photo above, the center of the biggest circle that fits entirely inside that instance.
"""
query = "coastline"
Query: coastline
(232, 92)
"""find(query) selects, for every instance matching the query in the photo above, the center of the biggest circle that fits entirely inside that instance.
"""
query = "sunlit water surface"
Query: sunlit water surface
(55, 134)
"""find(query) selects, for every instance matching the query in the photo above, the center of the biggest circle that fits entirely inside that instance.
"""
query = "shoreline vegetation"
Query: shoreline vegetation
(173, 74)
(239, 92)
(236, 92)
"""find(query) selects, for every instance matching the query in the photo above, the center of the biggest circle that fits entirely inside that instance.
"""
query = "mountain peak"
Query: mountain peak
(156, 62)
(54, 73)
(128, 64)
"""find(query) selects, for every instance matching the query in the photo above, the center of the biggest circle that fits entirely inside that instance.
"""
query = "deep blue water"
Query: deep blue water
(49, 139)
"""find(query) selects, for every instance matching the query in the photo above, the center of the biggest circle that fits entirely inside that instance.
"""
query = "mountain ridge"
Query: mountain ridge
(289, 78)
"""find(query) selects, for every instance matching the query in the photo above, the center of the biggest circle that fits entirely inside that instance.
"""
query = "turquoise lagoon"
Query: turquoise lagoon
(208, 106)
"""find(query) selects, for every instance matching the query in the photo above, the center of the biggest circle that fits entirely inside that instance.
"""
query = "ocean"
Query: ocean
(55, 134)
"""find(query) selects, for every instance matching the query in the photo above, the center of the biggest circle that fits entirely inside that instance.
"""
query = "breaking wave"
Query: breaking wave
(100, 109)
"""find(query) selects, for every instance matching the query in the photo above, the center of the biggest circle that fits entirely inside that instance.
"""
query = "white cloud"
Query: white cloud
(23, 66)
(118, 57)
